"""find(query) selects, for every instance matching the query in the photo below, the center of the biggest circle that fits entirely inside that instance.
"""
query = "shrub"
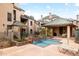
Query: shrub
(4, 43)
(37, 33)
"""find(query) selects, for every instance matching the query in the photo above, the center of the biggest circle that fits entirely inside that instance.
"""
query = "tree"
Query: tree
(31, 17)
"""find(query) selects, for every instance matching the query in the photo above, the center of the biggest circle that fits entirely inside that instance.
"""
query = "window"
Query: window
(9, 16)
(14, 12)
(30, 23)
(9, 27)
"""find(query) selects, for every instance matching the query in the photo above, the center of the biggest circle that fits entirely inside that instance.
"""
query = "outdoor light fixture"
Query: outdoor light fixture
(3, 25)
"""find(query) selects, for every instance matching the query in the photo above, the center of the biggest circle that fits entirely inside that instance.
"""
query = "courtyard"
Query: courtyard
(34, 50)
(22, 34)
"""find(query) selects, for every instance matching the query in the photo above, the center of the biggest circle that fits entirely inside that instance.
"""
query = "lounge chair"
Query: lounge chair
(69, 50)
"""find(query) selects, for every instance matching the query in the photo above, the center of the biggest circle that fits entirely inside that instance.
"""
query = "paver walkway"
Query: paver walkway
(33, 50)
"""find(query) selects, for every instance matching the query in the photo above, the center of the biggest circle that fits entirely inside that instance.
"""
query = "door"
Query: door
(62, 30)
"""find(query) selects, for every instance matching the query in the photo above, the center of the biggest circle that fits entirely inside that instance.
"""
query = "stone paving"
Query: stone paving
(33, 50)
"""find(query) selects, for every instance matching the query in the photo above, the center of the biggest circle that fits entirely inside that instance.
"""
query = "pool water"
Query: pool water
(46, 42)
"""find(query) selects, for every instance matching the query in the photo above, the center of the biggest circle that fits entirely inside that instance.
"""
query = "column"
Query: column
(68, 34)
(68, 31)
(46, 31)
(51, 32)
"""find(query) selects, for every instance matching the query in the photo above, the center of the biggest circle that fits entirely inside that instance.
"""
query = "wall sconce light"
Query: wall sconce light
(3, 25)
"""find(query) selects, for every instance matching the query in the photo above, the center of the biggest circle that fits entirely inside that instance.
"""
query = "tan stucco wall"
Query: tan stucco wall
(4, 9)
(30, 27)
(8, 7)
(34, 26)
(18, 14)
(18, 18)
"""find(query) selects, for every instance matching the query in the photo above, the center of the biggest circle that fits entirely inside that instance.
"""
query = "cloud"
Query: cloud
(37, 15)
(76, 4)
(48, 7)
(23, 4)
(76, 12)
(66, 4)
(28, 12)
(32, 13)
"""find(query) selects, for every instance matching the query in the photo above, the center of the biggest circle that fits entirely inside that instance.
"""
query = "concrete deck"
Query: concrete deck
(33, 50)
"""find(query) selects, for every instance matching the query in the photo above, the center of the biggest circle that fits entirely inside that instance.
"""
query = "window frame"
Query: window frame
(31, 23)
(9, 16)
(14, 13)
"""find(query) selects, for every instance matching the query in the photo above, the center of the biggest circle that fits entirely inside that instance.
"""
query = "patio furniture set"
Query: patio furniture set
(66, 49)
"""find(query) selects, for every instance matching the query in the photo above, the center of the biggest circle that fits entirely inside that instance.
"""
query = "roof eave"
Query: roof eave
(18, 8)
(58, 25)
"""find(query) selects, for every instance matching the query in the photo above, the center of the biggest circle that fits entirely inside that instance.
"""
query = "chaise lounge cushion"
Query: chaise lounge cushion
(68, 49)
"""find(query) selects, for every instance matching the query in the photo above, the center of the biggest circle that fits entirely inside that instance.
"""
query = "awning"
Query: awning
(24, 17)
(19, 24)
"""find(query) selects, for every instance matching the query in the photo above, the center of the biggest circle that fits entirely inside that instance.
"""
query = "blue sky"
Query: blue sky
(66, 10)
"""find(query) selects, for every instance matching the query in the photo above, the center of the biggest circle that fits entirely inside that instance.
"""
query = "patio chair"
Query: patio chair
(68, 50)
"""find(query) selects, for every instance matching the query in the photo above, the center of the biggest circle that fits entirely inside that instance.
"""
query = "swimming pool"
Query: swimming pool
(46, 42)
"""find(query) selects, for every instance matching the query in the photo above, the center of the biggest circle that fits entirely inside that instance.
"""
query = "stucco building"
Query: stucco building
(14, 23)
(32, 25)
(59, 26)
(9, 14)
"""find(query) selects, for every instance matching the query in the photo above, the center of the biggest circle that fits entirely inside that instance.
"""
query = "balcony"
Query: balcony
(24, 19)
